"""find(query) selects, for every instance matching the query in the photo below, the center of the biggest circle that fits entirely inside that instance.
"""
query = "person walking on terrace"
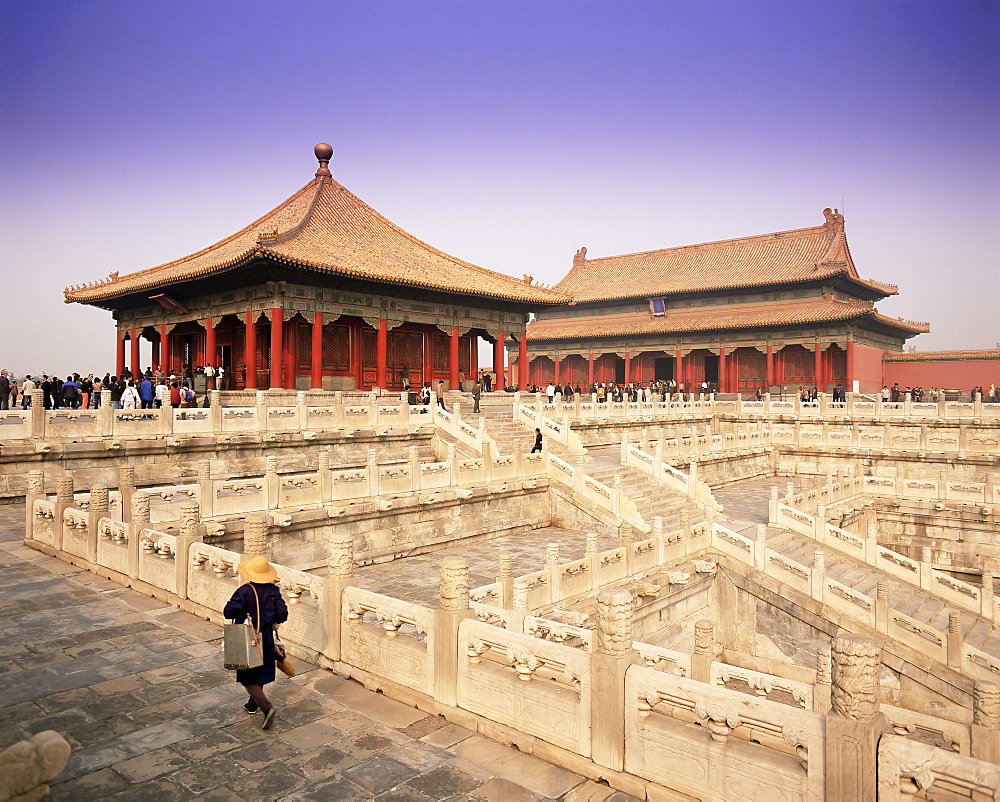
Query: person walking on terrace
(440, 394)
(477, 391)
(260, 601)
(538, 441)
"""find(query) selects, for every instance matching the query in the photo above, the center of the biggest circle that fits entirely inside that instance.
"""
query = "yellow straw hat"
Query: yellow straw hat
(259, 570)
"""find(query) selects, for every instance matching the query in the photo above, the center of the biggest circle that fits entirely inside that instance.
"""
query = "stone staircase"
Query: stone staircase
(910, 600)
(650, 497)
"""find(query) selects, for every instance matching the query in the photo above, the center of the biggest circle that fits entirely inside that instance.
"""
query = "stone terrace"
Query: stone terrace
(137, 688)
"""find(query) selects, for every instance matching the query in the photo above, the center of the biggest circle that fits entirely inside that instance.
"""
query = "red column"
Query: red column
(723, 375)
(770, 366)
(164, 350)
(250, 351)
(818, 370)
(136, 370)
(474, 356)
(734, 373)
(453, 359)
(316, 355)
(590, 369)
(498, 358)
(289, 356)
(678, 366)
(523, 368)
(628, 367)
(381, 350)
(277, 347)
(849, 379)
(558, 363)
(428, 367)
(210, 344)
(119, 354)
(154, 359)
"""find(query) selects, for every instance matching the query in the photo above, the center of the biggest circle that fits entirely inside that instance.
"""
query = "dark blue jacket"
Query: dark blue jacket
(273, 611)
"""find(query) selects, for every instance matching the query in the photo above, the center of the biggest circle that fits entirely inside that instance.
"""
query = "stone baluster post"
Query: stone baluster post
(272, 483)
(126, 488)
(206, 487)
(817, 575)
(301, 410)
(64, 499)
(772, 506)
(413, 458)
(616, 493)
(789, 493)
(685, 526)
(822, 692)
(106, 414)
(339, 576)
(35, 491)
(626, 534)
(662, 541)
(260, 408)
(882, 593)
(871, 543)
(819, 523)
(854, 724)
(554, 572)
(256, 536)
(692, 480)
(760, 548)
(190, 533)
(452, 609)
(625, 443)
(339, 416)
(986, 721)
(987, 601)
(487, 460)
(138, 520)
(404, 409)
(505, 578)
(926, 567)
(37, 414)
(215, 410)
(704, 650)
(609, 662)
(372, 463)
(519, 606)
(593, 561)
(955, 641)
(99, 508)
(323, 464)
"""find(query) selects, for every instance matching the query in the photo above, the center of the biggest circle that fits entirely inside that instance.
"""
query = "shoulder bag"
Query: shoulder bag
(241, 645)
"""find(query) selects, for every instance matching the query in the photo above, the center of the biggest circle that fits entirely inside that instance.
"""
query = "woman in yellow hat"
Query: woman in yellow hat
(259, 593)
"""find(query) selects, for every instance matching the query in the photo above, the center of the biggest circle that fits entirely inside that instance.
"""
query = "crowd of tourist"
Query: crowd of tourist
(147, 391)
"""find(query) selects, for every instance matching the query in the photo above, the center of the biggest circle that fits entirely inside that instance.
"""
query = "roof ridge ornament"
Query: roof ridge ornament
(834, 219)
(323, 153)
(580, 257)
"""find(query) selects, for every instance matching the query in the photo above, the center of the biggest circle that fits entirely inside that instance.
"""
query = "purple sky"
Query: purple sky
(508, 134)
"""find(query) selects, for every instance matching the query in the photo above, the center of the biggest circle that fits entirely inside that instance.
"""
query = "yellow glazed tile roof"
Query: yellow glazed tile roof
(326, 228)
(785, 257)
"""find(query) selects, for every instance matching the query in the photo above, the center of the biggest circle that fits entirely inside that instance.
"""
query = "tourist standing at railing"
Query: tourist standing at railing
(70, 394)
(550, 392)
(160, 392)
(4, 390)
(26, 389)
(116, 387)
(86, 387)
(56, 392)
(130, 396)
(13, 393)
(439, 392)
(147, 393)
(477, 391)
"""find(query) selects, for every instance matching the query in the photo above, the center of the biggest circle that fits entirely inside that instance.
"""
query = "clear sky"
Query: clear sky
(506, 133)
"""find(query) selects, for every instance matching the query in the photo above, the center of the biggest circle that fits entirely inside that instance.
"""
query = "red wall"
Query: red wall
(868, 368)
(962, 374)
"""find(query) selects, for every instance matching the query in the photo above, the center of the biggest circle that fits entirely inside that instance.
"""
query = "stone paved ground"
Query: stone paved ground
(415, 578)
(746, 501)
(136, 687)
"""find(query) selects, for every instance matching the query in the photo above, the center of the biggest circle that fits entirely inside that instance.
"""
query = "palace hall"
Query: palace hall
(322, 292)
(764, 313)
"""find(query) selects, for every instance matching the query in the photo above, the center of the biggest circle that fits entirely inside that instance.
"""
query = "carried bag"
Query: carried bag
(282, 660)
(241, 643)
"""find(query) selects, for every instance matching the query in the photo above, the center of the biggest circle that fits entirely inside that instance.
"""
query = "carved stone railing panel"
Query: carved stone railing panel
(911, 770)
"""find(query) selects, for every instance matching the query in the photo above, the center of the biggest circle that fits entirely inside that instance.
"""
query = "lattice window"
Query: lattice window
(305, 346)
(369, 348)
(336, 347)
(751, 369)
(574, 370)
(543, 370)
(697, 363)
(838, 364)
(404, 350)
(442, 353)
(798, 365)
(465, 346)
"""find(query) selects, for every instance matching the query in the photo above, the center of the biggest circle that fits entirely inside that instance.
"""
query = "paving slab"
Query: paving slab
(510, 764)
